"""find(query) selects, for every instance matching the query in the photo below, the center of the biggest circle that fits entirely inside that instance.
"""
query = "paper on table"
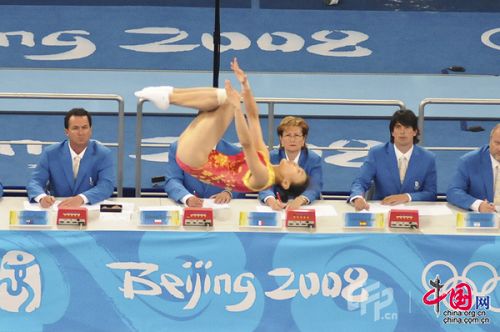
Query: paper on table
(55, 207)
(32, 206)
(423, 210)
(431, 210)
(124, 216)
(36, 206)
(379, 208)
(210, 203)
(321, 210)
(161, 208)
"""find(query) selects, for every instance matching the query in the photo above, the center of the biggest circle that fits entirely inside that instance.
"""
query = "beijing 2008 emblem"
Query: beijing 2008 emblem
(20, 284)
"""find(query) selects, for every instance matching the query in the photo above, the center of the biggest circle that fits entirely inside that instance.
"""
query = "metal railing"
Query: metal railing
(85, 96)
(448, 101)
(271, 102)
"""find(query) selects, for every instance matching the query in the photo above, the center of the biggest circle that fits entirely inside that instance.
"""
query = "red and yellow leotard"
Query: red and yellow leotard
(228, 172)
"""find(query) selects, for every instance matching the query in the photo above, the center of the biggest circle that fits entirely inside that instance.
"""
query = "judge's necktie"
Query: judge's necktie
(497, 186)
(76, 166)
(403, 165)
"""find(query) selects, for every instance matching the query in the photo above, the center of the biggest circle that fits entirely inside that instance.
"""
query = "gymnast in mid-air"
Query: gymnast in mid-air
(248, 171)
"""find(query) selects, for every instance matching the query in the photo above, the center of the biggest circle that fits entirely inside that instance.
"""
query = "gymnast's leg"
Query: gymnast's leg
(207, 129)
(216, 108)
(203, 99)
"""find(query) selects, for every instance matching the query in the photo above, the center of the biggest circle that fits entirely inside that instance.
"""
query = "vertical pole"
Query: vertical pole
(138, 151)
(121, 147)
(216, 38)
(270, 126)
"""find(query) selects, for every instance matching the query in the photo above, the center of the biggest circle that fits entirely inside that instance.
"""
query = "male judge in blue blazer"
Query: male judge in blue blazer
(473, 184)
(400, 170)
(183, 188)
(79, 169)
(292, 134)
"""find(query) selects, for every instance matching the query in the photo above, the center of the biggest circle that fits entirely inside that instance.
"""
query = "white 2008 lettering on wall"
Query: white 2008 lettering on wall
(330, 43)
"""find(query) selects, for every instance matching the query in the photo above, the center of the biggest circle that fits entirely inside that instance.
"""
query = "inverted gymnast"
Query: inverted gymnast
(248, 171)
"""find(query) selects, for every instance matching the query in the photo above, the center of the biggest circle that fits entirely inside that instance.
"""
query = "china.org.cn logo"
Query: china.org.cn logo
(459, 300)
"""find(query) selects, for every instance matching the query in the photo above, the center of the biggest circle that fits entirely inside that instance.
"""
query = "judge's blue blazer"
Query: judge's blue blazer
(54, 173)
(311, 163)
(179, 183)
(472, 180)
(381, 167)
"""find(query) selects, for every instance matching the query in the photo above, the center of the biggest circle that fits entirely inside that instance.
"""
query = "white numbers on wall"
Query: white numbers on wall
(166, 45)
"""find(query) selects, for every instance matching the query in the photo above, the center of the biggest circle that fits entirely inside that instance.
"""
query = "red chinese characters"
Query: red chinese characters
(460, 297)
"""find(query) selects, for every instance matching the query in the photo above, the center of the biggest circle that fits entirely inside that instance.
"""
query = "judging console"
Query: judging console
(229, 219)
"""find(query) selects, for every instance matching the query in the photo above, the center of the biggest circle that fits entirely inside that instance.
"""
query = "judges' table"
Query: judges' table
(103, 278)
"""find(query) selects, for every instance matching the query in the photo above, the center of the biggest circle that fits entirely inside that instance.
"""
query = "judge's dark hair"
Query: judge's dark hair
(77, 112)
(295, 190)
(408, 119)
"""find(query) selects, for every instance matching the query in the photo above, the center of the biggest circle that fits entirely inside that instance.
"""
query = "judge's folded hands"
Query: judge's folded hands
(292, 204)
(487, 207)
(275, 204)
(47, 201)
(222, 198)
(360, 204)
(70, 202)
(396, 199)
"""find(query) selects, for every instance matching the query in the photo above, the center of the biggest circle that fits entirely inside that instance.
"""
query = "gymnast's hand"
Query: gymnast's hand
(240, 74)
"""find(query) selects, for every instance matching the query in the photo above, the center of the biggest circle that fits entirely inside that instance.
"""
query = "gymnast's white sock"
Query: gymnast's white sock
(158, 95)
(221, 96)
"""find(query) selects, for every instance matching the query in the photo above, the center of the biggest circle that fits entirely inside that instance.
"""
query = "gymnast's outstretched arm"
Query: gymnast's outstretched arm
(249, 131)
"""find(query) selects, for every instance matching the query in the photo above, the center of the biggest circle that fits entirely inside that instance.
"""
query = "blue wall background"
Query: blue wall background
(374, 50)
